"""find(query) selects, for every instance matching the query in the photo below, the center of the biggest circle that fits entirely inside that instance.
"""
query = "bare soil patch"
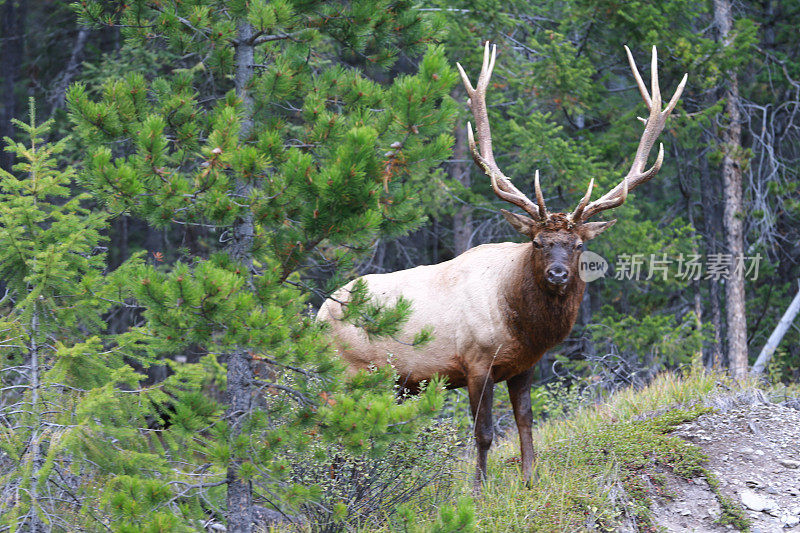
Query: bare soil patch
(753, 448)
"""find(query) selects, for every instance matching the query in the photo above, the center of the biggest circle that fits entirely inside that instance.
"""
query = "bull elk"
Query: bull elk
(496, 309)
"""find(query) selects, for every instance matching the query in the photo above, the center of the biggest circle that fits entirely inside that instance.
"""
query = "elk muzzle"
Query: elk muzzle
(557, 274)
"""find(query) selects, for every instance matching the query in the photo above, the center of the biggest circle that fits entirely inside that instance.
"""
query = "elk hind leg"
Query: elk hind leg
(481, 397)
(519, 391)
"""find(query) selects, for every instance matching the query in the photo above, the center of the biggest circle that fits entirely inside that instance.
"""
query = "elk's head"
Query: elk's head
(557, 238)
(556, 246)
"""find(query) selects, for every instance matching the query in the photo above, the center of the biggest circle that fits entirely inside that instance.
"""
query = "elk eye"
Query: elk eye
(579, 246)
(536, 244)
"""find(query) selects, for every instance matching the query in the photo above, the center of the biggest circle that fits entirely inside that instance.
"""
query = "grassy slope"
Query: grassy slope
(601, 465)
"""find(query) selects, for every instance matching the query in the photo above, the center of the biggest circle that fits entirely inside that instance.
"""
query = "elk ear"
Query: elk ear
(520, 223)
(590, 230)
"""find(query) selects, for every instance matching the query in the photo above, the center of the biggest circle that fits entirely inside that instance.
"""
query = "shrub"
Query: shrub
(360, 490)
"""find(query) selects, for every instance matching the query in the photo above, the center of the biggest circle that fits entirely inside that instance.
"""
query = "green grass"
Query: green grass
(602, 464)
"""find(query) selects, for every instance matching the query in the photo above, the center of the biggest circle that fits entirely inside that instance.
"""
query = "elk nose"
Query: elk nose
(557, 274)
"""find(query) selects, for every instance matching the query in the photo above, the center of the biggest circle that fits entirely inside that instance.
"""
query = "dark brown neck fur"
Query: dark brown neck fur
(540, 318)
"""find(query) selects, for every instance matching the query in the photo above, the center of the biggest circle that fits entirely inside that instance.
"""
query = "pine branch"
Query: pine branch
(294, 393)
(259, 38)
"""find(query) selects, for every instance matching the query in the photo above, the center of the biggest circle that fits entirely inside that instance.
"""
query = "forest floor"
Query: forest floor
(753, 449)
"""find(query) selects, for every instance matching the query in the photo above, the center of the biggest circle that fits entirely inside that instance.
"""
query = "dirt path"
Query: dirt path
(754, 450)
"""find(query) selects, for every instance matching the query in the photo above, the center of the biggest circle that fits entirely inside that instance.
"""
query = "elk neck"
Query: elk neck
(536, 317)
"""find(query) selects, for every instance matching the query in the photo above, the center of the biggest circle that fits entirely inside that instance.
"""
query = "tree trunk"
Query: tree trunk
(62, 81)
(35, 524)
(708, 196)
(459, 171)
(733, 212)
(697, 303)
(775, 339)
(240, 370)
(12, 30)
(434, 236)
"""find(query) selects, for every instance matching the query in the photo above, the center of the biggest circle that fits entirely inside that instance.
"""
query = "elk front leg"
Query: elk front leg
(519, 390)
(481, 398)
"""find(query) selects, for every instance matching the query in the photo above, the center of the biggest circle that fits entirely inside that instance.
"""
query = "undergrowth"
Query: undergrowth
(600, 466)
(591, 480)
(358, 491)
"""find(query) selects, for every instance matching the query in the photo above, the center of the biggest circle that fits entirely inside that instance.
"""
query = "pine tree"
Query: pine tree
(78, 428)
(273, 135)
(51, 262)
(55, 360)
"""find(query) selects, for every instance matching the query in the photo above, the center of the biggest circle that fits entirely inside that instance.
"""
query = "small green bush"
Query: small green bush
(366, 491)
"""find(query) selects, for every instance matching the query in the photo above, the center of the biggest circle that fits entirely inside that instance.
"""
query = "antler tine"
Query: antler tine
(487, 67)
(656, 92)
(616, 198)
(611, 203)
(500, 182)
(576, 215)
(484, 157)
(638, 77)
(677, 95)
(467, 85)
(539, 196)
(654, 125)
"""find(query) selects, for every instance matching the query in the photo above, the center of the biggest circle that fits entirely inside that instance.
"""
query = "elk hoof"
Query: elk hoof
(477, 484)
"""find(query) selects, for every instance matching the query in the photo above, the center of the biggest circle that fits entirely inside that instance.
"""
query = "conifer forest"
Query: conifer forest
(186, 184)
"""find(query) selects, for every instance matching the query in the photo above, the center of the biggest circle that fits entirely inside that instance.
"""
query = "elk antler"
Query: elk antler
(653, 127)
(484, 158)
